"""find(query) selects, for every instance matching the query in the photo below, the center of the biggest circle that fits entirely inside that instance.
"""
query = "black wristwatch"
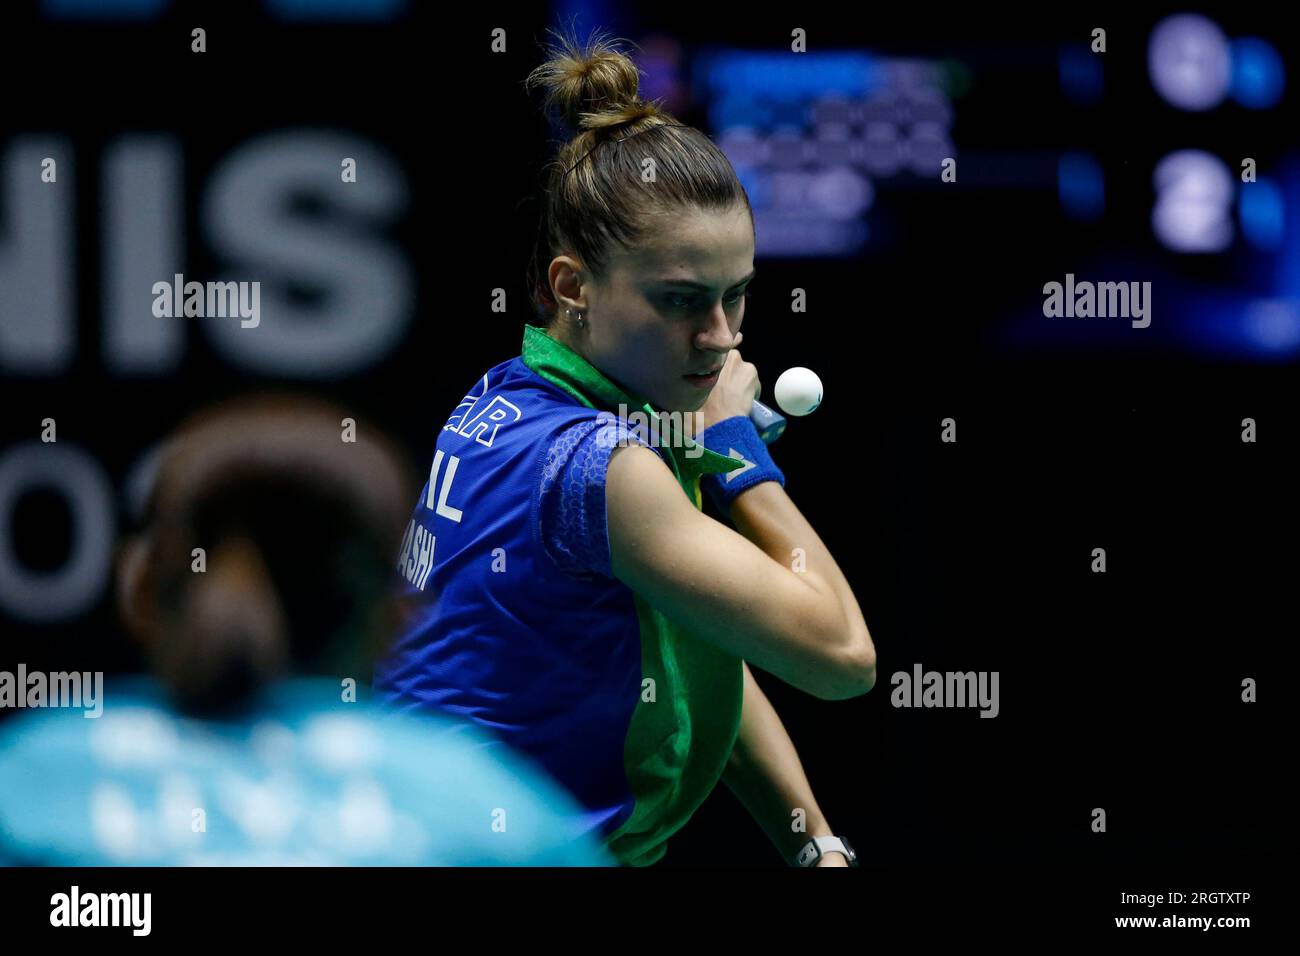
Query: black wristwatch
(818, 847)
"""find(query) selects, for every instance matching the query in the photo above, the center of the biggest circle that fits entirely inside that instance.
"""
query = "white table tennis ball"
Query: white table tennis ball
(798, 391)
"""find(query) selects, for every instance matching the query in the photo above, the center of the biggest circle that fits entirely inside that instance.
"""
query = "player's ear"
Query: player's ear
(135, 594)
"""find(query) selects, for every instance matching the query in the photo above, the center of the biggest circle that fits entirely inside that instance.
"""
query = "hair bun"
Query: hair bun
(592, 86)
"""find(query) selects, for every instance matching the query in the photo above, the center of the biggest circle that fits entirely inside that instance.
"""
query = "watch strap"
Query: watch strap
(818, 847)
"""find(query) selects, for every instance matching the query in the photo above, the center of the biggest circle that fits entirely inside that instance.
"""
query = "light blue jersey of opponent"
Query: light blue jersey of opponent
(302, 777)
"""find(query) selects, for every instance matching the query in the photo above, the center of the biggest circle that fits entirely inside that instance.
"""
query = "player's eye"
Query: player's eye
(687, 302)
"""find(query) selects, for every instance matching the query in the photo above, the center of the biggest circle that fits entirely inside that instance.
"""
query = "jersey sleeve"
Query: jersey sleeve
(571, 516)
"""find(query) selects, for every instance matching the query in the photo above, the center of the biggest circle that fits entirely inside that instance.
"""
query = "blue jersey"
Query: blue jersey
(301, 777)
(535, 640)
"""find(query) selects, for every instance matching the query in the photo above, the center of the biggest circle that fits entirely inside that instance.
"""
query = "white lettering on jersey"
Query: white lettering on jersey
(497, 413)
(415, 560)
(406, 543)
(443, 509)
(465, 406)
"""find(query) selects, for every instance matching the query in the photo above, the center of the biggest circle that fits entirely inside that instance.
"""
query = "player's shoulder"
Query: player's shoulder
(570, 513)
(586, 443)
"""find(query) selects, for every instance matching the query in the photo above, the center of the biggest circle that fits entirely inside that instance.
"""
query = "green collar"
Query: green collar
(560, 365)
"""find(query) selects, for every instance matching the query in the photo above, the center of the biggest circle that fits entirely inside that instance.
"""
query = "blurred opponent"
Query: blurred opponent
(253, 742)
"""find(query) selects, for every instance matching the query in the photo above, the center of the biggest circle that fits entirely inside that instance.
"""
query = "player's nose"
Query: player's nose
(717, 335)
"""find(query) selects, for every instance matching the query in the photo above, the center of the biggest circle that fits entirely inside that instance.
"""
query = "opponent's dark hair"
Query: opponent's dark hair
(300, 531)
(594, 198)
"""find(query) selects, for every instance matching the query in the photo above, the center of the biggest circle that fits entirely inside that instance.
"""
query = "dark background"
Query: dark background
(1118, 690)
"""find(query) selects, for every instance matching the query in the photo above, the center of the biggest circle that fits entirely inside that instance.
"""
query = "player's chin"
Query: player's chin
(692, 399)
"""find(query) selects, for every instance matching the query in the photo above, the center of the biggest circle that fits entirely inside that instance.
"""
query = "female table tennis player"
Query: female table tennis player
(566, 590)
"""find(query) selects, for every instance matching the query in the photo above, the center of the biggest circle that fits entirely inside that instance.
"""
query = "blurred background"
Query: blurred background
(924, 301)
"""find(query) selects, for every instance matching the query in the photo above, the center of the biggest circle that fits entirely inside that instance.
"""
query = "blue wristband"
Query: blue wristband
(736, 437)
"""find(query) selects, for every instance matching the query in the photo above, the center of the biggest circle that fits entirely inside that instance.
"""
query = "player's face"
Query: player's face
(673, 306)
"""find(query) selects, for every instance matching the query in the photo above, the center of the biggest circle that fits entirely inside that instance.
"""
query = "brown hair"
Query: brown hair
(594, 197)
(301, 533)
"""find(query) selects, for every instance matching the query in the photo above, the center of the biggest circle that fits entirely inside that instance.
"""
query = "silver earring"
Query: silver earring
(582, 323)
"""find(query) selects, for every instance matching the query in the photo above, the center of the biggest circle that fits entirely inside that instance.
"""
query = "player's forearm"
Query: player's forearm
(766, 516)
(768, 779)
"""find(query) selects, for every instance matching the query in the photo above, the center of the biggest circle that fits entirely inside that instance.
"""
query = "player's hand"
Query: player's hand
(833, 859)
(737, 387)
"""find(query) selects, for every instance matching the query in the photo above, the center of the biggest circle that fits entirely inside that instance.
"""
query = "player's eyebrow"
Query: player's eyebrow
(703, 286)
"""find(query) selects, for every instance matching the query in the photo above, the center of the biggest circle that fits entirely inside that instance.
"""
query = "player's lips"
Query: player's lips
(705, 379)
